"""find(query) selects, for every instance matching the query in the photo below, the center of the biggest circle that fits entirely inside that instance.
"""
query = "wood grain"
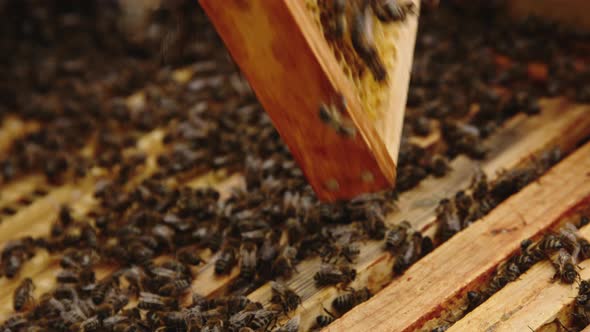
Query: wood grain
(473, 253)
(533, 301)
(292, 71)
(559, 124)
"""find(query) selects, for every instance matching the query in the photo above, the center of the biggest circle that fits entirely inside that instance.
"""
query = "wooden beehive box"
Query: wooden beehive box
(432, 292)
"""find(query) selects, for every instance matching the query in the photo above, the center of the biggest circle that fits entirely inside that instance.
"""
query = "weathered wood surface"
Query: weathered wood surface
(533, 301)
(422, 292)
(293, 71)
(560, 124)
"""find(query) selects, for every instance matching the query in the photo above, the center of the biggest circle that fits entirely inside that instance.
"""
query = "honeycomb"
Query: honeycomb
(373, 95)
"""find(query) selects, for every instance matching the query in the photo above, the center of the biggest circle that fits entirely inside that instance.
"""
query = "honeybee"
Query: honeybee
(23, 294)
(330, 274)
(174, 287)
(345, 302)
(292, 325)
(392, 10)
(448, 219)
(396, 237)
(361, 34)
(565, 268)
(332, 115)
(150, 301)
(226, 261)
(248, 260)
(283, 295)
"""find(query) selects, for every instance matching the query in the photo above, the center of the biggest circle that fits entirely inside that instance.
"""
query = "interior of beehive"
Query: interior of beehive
(373, 95)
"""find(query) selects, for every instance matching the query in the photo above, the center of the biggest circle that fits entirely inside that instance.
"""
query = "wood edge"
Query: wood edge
(368, 158)
(358, 314)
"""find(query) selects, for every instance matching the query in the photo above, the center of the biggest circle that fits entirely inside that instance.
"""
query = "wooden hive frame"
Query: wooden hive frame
(291, 68)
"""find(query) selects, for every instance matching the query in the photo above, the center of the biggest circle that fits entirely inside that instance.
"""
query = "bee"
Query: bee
(439, 165)
(568, 234)
(174, 320)
(14, 323)
(23, 294)
(284, 264)
(111, 306)
(330, 274)
(324, 320)
(262, 319)
(584, 220)
(349, 252)
(409, 253)
(441, 328)
(565, 268)
(392, 11)
(295, 230)
(474, 299)
(177, 267)
(269, 251)
(448, 219)
(332, 115)
(550, 242)
(364, 44)
(286, 297)
(248, 260)
(339, 19)
(292, 325)
(68, 277)
(237, 303)
(497, 282)
(511, 271)
(584, 287)
(584, 248)
(65, 215)
(213, 325)
(241, 319)
(102, 288)
(396, 237)
(345, 302)
(188, 256)
(174, 287)
(479, 185)
(374, 225)
(226, 261)
(151, 301)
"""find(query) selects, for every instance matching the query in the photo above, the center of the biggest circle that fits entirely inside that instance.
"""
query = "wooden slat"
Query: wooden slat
(11, 192)
(35, 219)
(43, 267)
(291, 68)
(532, 302)
(560, 124)
(13, 128)
(441, 276)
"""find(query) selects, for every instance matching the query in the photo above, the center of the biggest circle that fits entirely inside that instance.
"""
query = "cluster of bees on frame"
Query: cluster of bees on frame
(564, 249)
(353, 20)
(157, 236)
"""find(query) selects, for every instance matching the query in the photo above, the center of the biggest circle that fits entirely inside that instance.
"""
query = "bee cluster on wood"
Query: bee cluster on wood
(353, 21)
(157, 234)
(565, 249)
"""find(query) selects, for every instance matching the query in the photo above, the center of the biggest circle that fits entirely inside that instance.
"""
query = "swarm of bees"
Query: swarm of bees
(564, 249)
(469, 205)
(157, 234)
(581, 311)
